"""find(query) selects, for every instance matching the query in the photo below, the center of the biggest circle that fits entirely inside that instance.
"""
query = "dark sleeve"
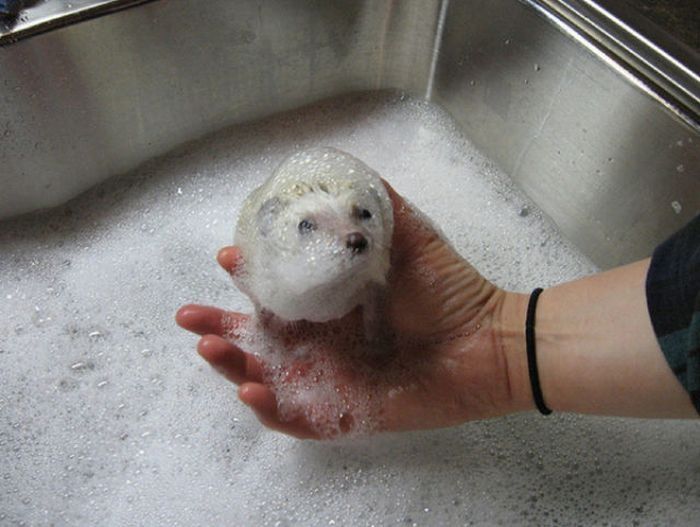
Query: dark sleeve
(673, 299)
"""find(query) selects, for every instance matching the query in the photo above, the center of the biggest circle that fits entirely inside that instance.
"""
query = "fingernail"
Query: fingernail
(242, 394)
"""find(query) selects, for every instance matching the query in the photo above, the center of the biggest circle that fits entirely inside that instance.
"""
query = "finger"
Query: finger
(412, 230)
(230, 258)
(205, 320)
(263, 402)
(396, 200)
(229, 360)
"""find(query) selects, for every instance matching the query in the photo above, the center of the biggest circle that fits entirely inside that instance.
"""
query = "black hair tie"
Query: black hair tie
(532, 354)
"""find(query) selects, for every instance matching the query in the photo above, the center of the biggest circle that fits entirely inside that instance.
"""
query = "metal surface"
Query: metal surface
(614, 165)
(672, 70)
(94, 99)
(598, 127)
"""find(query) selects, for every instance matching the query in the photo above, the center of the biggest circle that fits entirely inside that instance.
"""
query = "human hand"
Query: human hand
(442, 362)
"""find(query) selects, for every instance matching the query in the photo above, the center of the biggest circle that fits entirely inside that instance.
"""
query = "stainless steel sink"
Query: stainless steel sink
(108, 417)
(597, 123)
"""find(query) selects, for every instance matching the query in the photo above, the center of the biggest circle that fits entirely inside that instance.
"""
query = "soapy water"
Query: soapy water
(320, 372)
(108, 416)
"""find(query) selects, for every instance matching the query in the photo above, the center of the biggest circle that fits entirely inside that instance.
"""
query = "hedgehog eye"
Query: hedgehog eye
(364, 214)
(306, 226)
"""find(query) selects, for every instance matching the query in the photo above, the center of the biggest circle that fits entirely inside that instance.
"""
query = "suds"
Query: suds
(109, 417)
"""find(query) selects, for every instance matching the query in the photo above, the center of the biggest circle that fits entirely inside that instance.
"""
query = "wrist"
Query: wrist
(596, 349)
(509, 327)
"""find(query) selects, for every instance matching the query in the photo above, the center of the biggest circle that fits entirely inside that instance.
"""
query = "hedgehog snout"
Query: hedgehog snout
(356, 242)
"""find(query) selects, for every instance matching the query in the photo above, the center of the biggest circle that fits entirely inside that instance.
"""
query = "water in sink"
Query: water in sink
(108, 416)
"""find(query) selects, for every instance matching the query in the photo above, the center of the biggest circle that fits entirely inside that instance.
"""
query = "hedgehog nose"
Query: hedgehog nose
(357, 242)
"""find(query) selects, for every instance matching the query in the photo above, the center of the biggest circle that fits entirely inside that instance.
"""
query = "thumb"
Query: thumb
(412, 230)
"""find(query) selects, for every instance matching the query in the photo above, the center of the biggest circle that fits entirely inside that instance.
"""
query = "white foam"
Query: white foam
(144, 433)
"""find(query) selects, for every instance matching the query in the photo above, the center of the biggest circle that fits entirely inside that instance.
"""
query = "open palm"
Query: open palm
(441, 360)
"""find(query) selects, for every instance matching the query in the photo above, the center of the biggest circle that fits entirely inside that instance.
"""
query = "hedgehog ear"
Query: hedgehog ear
(267, 213)
(379, 193)
(377, 196)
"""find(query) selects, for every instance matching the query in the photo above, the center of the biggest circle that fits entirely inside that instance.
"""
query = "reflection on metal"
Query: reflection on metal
(598, 125)
(39, 16)
(436, 48)
(674, 77)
